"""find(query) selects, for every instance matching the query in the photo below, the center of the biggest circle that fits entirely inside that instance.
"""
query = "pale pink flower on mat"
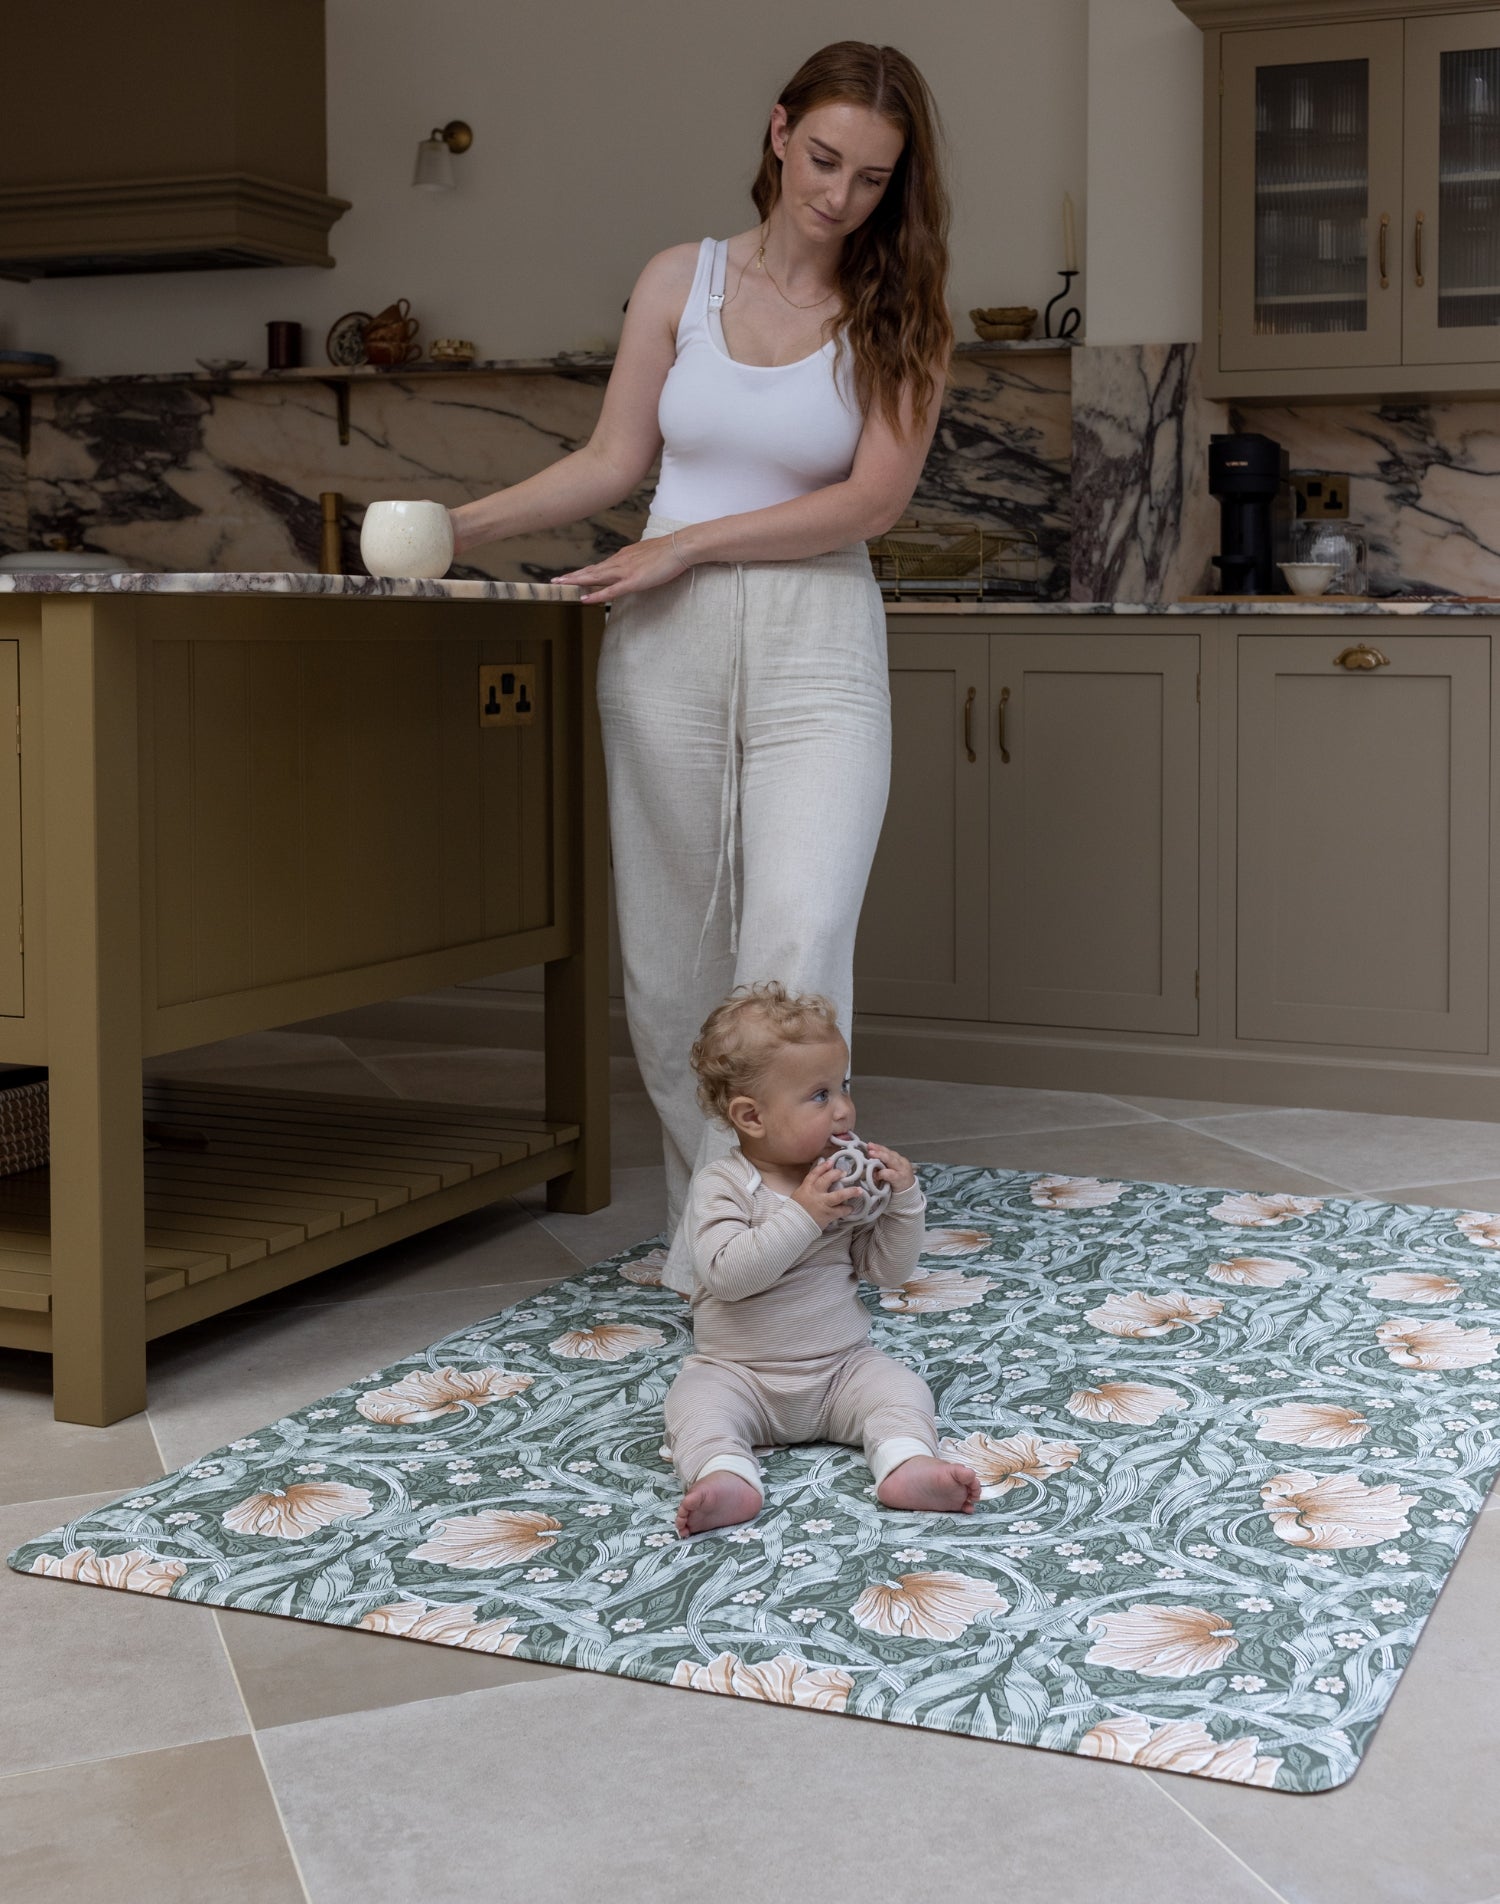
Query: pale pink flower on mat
(1481, 1227)
(925, 1606)
(783, 1681)
(1336, 1510)
(1139, 1403)
(646, 1269)
(1254, 1212)
(1435, 1345)
(1312, 1425)
(1257, 1272)
(428, 1393)
(288, 1513)
(1162, 1642)
(443, 1626)
(945, 1289)
(1405, 1286)
(1002, 1465)
(1074, 1193)
(953, 1242)
(606, 1342)
(1181, 1745)
(491, 1539)
(133, 1572)
(1141, 1315)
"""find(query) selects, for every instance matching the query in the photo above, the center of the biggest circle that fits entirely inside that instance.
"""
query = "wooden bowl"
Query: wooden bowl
(1004, 323)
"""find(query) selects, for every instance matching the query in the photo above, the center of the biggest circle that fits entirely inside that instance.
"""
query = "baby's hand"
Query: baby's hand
(894, 1169)
(824, 1194)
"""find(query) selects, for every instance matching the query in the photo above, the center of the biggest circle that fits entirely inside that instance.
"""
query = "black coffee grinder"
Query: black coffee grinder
(1248, 474)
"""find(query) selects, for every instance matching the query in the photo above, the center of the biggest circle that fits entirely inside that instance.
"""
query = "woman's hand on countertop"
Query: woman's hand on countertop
(629, 571)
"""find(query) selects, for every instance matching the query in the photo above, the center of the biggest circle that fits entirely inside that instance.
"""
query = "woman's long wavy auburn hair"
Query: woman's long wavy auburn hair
(894, 271)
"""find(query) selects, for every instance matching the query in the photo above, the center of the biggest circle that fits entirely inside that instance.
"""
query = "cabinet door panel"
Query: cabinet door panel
(922, 947)
(1453, 188)
(1094, 907)
(1364, 843)
(12, 991)
(1310, 164)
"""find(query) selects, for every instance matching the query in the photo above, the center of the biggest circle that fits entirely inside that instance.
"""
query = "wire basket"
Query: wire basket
(926, 561)
(23, 1120)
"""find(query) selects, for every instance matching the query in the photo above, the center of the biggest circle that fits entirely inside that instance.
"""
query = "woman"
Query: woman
(790, 378)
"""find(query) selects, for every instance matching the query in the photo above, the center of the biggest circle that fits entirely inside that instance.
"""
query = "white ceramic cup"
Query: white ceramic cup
(407, 538)
(1308, 578)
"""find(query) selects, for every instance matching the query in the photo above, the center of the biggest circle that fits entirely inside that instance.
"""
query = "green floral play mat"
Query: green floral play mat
(1231, 1446)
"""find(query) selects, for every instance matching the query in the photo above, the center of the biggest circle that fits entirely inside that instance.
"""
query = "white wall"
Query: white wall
(1145, 174)
(603, 132)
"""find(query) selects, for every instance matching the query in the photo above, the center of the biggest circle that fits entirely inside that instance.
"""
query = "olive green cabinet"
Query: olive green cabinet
(1352, 216)
(1363, 840)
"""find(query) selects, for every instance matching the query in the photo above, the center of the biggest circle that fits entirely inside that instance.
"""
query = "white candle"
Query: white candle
(1070, 237)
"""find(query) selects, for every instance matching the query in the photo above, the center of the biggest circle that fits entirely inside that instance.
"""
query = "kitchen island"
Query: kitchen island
(237, 802)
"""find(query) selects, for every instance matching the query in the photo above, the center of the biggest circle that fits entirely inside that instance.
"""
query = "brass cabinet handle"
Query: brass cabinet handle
(1361, 657)
(1385, 241)
(1421, 224)
(969, 700)
(1004, 750)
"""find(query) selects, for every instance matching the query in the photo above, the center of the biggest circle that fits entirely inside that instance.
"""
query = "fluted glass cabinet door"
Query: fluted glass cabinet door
(1452, 274)
(1311, 197)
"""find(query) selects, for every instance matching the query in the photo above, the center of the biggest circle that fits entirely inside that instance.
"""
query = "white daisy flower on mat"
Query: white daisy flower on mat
(1130, 1558)
(1086, 1566)
(242, 1447)
(1171, 1573)
(1247, 1682)
(508, 1474)
(1328, 1685)
(742, 1536)
(312, 1467)
(747, 1597)
(313, 1414)
(1070, 1547)
(1393, 1556)
(799, 1557)
(593, 1509)
(1349, 1641)
(1383, 1603)
(629, 1626)
(1200, 1550)
(615, 1575)
(661, 1540)
(1026, 1527)
(182, 1520)
(1254, 1603)
(806, 1615)
(1016, 1553)
(912, 1554)
(582, 1467)
(816, 1527)
(540, 1573)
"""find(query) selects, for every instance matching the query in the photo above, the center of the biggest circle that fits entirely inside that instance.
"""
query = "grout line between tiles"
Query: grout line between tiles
(260, 1759)
(1160, 1786)
(1270, 1157)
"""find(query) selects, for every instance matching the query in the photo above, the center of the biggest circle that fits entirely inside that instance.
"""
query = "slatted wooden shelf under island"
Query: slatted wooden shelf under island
(238, 802)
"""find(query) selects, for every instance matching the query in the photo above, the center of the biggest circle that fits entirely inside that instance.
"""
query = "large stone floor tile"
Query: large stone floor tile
(637, 1210)
(1178, 1108)
(292, 1670)
(899, 1111)
(273, 1060)
(1419, 1822)
(1484, 1195)
(1364, 1150)
(584, 1787)
(232, 1375)
(500, 1244)
(90, 1673)
(1151, 1153)
(40, 1457)
(173, 1827)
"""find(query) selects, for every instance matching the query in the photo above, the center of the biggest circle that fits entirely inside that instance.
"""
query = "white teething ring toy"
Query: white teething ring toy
(857, 1167)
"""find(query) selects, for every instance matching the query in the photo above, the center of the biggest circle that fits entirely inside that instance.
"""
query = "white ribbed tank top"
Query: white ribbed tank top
(744, 436)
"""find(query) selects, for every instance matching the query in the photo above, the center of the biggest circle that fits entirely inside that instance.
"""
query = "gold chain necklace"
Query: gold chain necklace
(761, 265)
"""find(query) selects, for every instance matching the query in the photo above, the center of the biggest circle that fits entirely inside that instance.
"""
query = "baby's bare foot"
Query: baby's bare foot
(718, 1500)
(927, 1485)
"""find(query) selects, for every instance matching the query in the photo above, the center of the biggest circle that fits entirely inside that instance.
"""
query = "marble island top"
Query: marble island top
(480, 589)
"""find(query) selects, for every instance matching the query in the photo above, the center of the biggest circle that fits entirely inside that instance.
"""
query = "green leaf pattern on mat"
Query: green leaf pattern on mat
(1231, 1446)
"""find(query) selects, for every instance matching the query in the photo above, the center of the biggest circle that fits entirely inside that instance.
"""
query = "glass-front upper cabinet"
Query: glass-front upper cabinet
(1310, 197)
(1453, 189)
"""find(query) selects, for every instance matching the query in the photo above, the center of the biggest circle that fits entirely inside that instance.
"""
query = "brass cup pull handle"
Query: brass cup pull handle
(1004, 750)
(1361, 658)
(1421, 228)
(969, 700)
(1385, 247)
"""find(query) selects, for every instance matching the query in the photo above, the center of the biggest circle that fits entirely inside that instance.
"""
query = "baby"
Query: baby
(781, 1339)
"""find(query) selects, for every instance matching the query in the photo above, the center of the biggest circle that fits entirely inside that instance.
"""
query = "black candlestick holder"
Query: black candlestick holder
(1071, 318)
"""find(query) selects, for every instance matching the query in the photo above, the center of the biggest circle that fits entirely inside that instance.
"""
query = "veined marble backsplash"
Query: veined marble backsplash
(197, 475)
(1424, 479)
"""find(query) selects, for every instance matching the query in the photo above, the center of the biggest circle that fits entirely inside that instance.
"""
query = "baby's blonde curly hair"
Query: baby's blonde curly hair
(741, 1036)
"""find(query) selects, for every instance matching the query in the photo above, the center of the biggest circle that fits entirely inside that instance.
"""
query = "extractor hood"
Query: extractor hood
(177, 136)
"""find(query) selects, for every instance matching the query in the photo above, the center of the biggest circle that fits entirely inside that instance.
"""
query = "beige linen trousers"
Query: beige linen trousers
(747, 740)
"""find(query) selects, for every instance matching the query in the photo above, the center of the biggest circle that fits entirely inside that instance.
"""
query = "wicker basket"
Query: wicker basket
(23, 1120)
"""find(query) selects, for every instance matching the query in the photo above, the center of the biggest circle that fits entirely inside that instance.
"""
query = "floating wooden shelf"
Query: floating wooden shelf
(254, 1189)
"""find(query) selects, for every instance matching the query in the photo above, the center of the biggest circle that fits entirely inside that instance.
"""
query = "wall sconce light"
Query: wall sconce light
(434, 167)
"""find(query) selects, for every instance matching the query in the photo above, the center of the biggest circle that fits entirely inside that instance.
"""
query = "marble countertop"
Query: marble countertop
(398, 588)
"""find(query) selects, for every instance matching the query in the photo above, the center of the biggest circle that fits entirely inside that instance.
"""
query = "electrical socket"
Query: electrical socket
(1321, 495)
(507, 695)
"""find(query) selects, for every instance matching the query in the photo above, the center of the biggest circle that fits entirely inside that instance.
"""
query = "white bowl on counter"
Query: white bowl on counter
(1308, 578)
(407, 539)
(62, 562)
